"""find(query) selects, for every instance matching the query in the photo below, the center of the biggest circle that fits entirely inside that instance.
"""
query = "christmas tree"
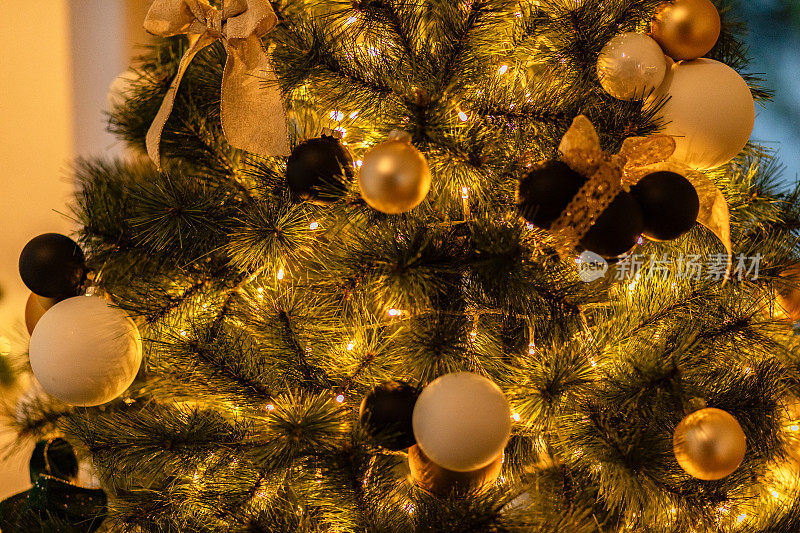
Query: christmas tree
(437, 313)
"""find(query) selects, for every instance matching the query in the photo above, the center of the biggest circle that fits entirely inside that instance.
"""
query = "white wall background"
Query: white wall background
(59, 57)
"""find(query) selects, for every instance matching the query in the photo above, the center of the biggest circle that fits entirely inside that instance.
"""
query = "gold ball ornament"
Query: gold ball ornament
(709, 444)
(440, 481)
(686, 29)
(394, 176)
(787, 297)
(35, 307)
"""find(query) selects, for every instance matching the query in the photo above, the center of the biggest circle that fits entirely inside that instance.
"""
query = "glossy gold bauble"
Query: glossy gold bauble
(35, 308)
(440, 481)
(686, 29)
(709, 444)
(394, 176)
(787, 297)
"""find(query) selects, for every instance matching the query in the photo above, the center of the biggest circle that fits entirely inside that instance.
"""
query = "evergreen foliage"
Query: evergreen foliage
(260, 313)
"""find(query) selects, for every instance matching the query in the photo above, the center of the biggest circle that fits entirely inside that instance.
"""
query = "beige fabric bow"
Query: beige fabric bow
(640, 156)
(251, 110)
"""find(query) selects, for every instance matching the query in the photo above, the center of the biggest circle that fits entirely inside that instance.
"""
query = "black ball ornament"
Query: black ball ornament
(669, 205)
(617, 228)
(544, 192)
(318, 170)
(386, 414)
(54, 457)
(52, 265)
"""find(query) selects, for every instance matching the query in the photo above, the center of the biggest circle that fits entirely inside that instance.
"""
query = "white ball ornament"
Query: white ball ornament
(120, 89)
(710, 112)
(462, 421)
(631, 66)
(84, 351)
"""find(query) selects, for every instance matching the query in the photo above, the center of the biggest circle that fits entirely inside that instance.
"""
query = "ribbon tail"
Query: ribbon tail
(251, 109)
(714, 213)
(153, 139)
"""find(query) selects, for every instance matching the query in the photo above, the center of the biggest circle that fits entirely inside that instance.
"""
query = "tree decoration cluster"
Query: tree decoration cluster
(455, 430)
(705, 105)
(394, 177)
(83, 350)
(582, 199)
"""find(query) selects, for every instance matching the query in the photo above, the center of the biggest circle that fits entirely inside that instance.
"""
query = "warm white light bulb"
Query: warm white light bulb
(5, 345)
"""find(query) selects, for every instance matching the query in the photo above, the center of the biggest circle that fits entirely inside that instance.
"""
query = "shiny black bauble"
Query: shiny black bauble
(669, 205)
(52, 265)
(386, 414)
(617, 229)
(319, 170)
(544, 192)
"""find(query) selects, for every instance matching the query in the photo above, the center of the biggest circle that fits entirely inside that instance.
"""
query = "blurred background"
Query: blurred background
(59, 58)
(774, 39)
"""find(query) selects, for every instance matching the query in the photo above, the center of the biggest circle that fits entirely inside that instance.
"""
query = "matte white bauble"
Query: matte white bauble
(631, 66)
(84, 351)
(120, 89)
(710, 112)
(462, 421)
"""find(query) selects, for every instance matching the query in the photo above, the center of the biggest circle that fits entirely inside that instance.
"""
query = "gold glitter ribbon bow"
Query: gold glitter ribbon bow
(608, 174)
(251, 110)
